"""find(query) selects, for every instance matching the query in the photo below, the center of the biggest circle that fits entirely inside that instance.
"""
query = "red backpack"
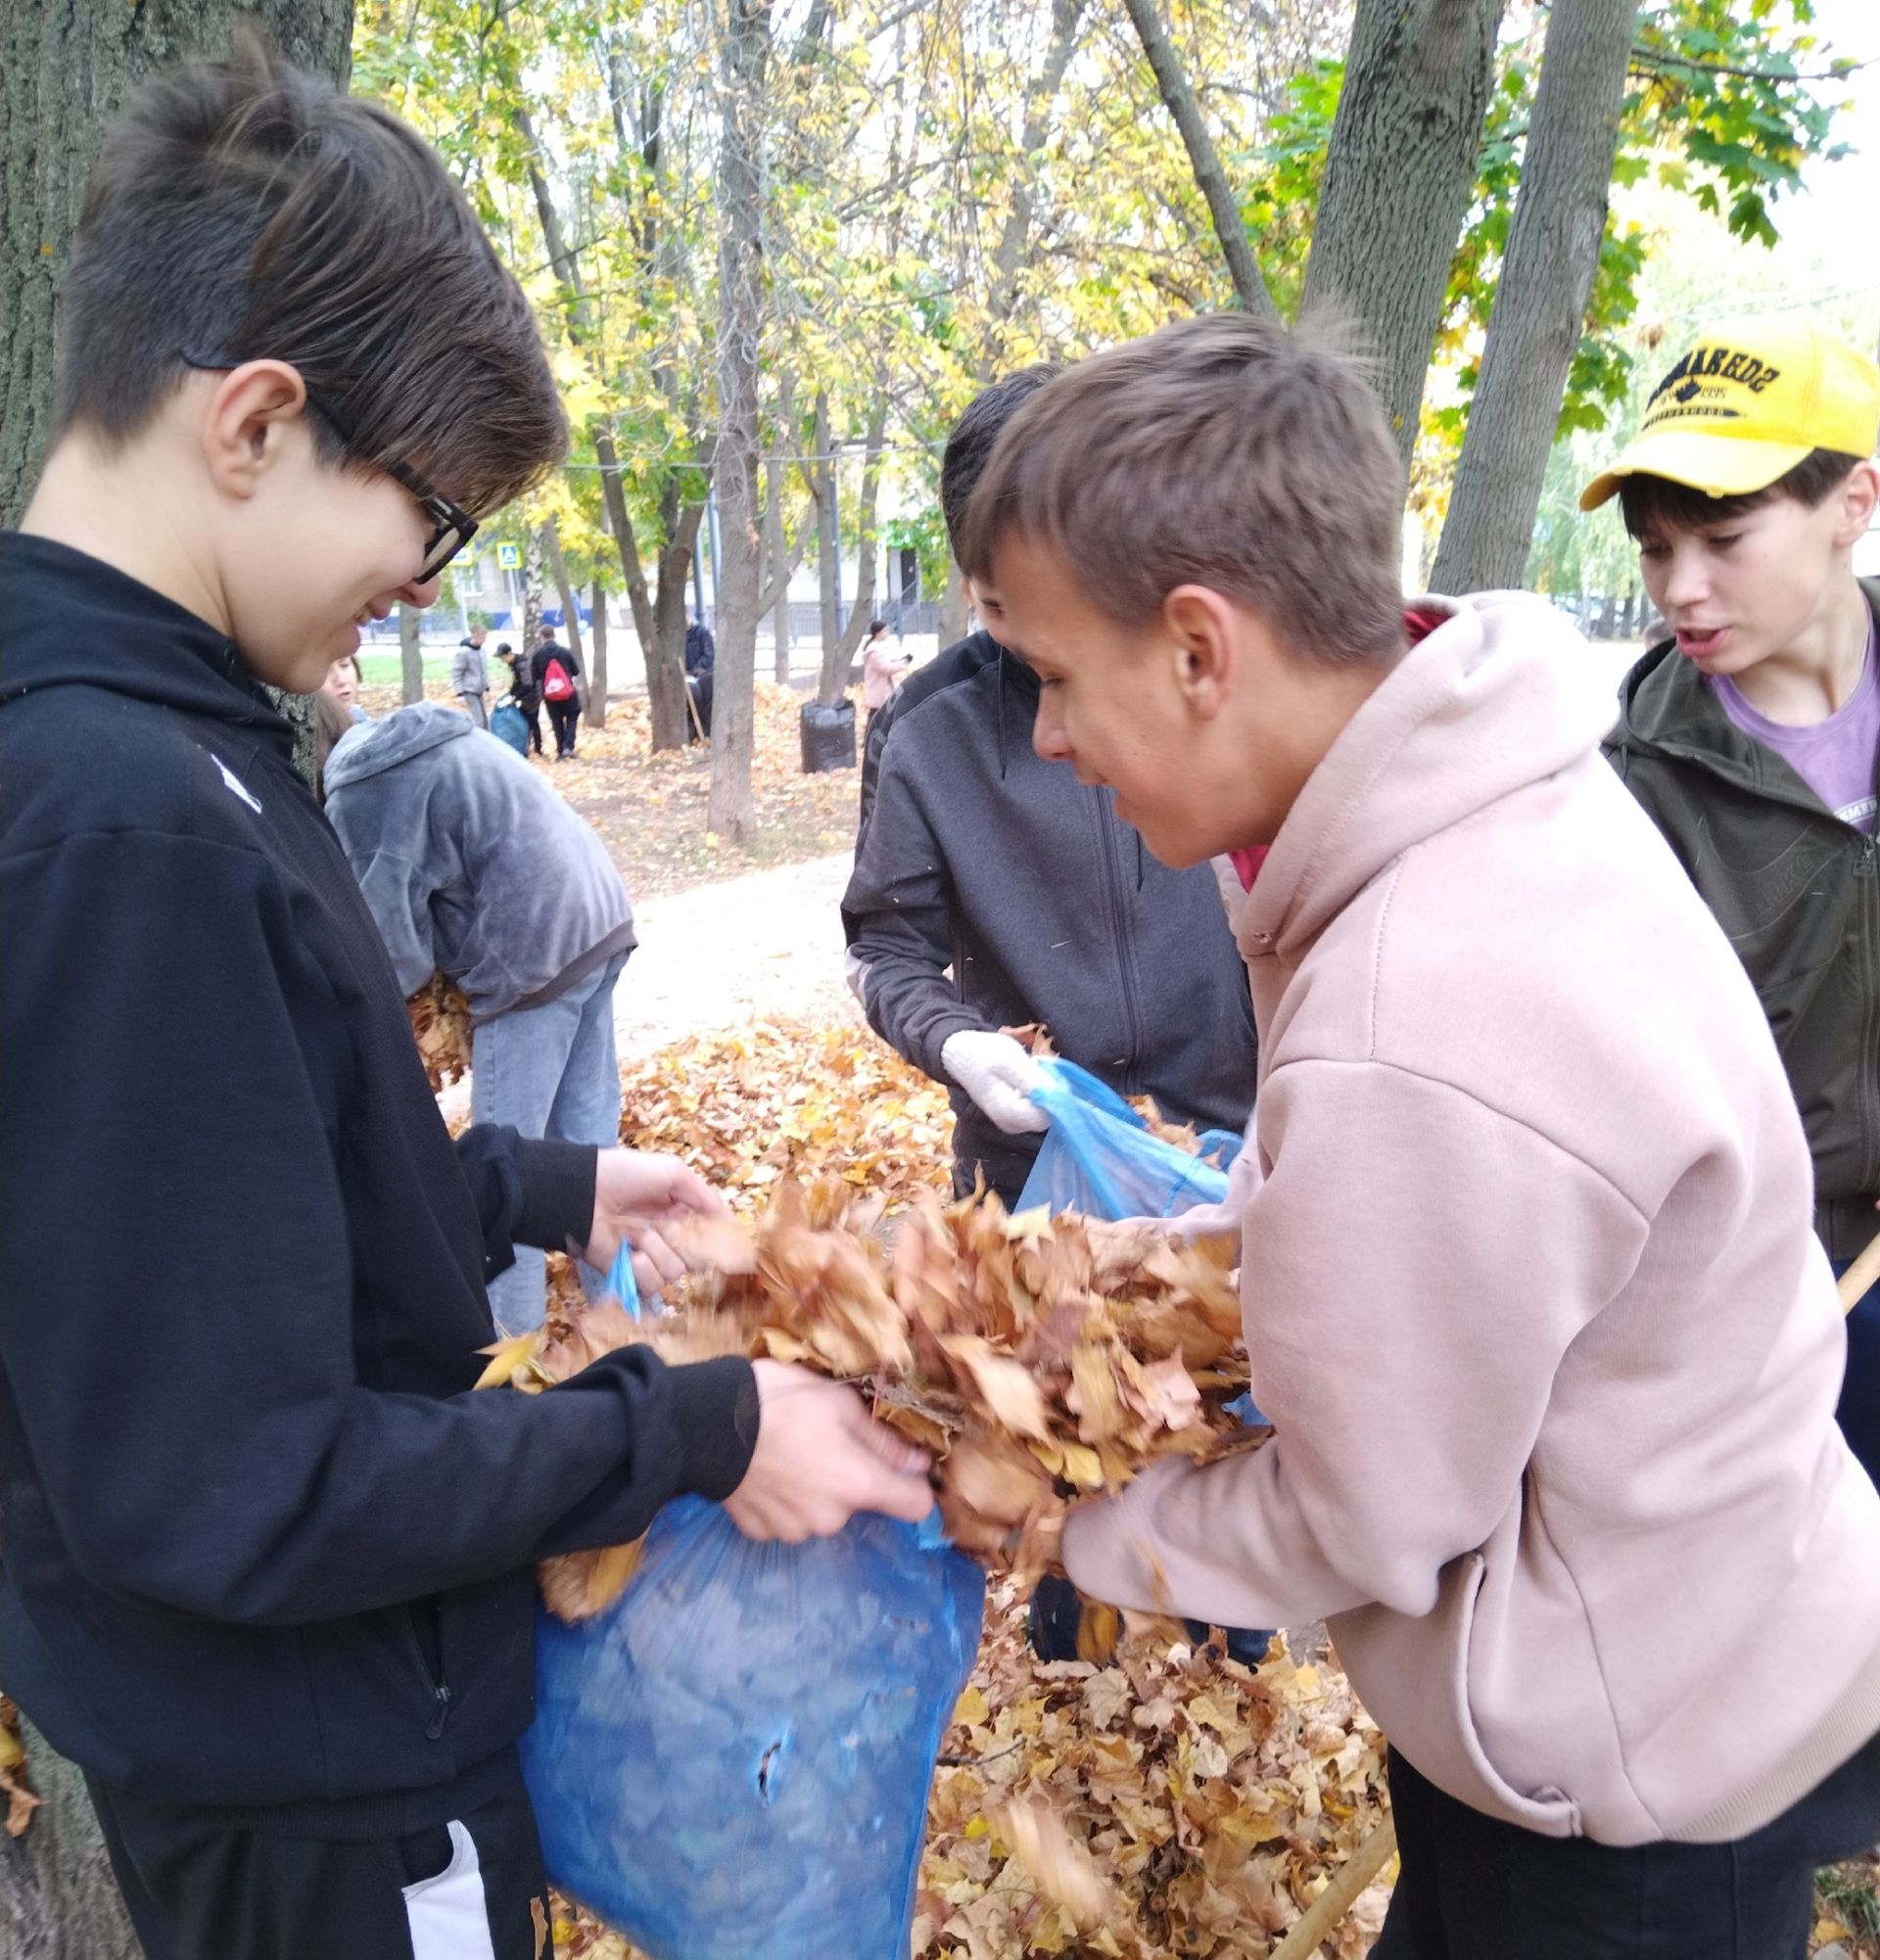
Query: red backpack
(555, 684)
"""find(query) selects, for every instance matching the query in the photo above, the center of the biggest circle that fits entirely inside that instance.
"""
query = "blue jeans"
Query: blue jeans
(551, 1071)
(1858, 1411)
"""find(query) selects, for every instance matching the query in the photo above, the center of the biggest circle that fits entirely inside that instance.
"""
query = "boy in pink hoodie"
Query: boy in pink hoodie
(1531, 1296)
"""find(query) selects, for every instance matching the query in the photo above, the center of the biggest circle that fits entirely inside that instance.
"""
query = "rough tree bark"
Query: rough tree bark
(64, 71)
(1540, 300)
(837, 655)
(410, 655)
(743, 51)
(532, 589)
(1210, 179)
(596, 715)
(1398, 177)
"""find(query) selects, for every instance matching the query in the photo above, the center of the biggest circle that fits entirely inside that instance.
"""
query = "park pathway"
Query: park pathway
(767, 944)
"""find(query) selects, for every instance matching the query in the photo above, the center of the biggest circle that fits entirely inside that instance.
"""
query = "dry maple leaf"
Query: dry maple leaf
(440, 1026)
(1060, 1866)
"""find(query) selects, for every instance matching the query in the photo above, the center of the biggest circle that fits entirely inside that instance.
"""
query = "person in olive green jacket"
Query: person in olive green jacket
(1750, 737)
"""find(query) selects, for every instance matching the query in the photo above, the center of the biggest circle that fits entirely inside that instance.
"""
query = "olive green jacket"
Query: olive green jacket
(1796, 890)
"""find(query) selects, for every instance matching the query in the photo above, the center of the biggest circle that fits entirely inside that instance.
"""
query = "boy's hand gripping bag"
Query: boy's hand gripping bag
(1100, 1158)
(732, 1761)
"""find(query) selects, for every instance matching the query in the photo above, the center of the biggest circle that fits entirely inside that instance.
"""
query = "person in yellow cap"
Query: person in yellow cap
(1750, 735)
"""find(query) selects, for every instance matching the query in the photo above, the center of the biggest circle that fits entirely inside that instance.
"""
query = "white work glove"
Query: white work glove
(999, 1075)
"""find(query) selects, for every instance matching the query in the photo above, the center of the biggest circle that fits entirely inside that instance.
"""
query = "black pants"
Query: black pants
(532, 713)
(564, 715)
(1471, 1887)
(197, 1891)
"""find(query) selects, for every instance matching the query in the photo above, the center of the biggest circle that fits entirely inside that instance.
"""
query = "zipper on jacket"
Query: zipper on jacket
(440, 1688)
(1132, 1008)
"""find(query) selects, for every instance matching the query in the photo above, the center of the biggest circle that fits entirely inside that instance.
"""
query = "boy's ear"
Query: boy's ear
(251, 411)
(1860, 496)
(1205, 628)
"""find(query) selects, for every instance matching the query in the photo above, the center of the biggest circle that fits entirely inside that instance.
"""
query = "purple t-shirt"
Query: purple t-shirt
(1835, 758)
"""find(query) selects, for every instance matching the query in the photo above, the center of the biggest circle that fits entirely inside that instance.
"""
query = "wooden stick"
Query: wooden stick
(692, 705)
(1323, 1915)
(1859, 1276)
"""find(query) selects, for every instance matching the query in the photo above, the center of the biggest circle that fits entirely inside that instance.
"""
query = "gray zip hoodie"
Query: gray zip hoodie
(471, 863)
(992, 888)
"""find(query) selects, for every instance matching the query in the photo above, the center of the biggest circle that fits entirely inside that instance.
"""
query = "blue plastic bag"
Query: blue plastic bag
(1100, 1158)
(732, 1761)
(510, 725)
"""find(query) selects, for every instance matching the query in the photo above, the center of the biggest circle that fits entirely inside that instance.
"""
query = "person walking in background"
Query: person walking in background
(525, 690)
(701, 664)
(474, 866)
(557, 673)
(470, 675)
(884, 668)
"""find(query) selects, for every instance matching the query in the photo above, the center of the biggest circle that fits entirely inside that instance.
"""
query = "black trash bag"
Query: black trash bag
(829, 736)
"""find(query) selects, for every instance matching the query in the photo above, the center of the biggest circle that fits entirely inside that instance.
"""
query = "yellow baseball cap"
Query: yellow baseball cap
(1749, 401)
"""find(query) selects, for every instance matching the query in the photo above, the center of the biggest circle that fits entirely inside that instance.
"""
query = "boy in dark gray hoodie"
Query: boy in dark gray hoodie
(475, 867)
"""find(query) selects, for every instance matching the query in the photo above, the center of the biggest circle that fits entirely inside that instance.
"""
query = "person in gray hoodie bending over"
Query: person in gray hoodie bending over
(474, 866)
(470, 675)
(991, 889)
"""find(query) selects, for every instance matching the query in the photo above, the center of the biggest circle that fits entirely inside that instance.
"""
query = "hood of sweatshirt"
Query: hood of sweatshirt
(119, 634)
(372, 746)
(1506, 663)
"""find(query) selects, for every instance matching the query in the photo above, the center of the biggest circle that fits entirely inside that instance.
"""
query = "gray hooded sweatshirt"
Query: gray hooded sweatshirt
(471, 863)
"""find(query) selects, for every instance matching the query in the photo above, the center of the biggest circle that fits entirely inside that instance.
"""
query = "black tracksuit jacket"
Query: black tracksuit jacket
(261, 1549)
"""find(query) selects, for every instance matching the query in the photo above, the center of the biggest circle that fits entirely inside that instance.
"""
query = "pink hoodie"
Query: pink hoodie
(1531, 1293)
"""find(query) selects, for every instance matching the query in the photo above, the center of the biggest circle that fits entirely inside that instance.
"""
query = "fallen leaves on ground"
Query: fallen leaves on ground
(650, 808)
(1205, 1803)
(749, 1106)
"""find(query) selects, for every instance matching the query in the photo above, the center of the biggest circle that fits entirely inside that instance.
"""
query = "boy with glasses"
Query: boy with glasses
(265, 1561)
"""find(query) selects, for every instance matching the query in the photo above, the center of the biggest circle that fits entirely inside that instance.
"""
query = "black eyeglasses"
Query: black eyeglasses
(452, 527)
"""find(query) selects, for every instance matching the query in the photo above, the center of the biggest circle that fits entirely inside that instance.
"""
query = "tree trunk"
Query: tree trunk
(778, 566)
(532, 589)
(570, 611)
(730, 811)
(836, 657)
(1540, 300)
(410, 655)
(1014, 237)
(596, 716)
(666, 653)
(828, 528)
(65, 72)
(1398, 177)
(1204, 162)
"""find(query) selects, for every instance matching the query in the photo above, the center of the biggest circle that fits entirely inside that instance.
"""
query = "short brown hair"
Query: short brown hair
(1648, 502)
(243, 209)
(1222, 451)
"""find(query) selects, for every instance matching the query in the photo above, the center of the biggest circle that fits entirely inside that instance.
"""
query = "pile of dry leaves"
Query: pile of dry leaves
(1039, 1358)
